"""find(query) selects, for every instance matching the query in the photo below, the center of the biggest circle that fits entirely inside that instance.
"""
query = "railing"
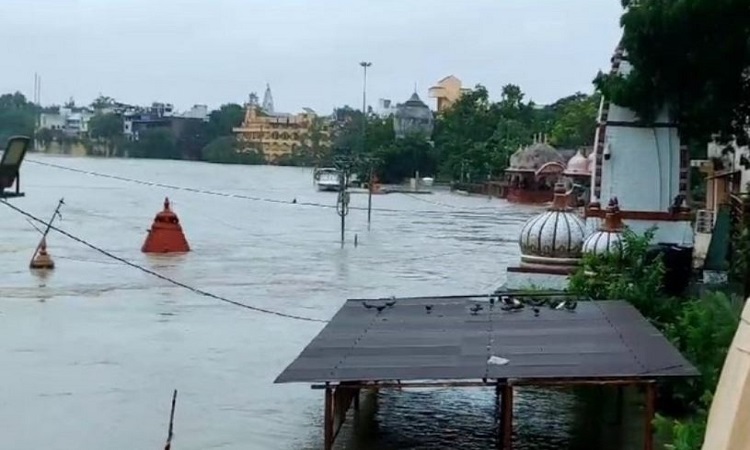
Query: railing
(704, 221)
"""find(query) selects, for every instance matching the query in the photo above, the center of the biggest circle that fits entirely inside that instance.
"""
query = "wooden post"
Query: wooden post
(328, 420)
(650, 412)
(498, 409)
(507, 416)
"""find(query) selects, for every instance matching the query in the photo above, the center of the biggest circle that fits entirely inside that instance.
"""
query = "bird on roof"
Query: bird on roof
(428, 308)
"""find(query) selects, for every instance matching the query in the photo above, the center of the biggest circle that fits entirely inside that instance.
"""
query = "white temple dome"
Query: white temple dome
(578, 165)
(555, 237)
(608, 239)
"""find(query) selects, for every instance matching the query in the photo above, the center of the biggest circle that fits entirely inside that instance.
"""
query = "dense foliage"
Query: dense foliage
(692, 55)
(473, 139)
(17, 116)
(701, 328)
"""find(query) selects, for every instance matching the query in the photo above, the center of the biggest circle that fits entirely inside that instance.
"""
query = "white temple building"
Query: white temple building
(644, 167)
(640, 166)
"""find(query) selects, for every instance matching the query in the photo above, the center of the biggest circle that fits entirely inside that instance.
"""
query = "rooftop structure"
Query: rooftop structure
(447, 91)
(480, 341)
(533, 172)
(551, 245)
(413, 118)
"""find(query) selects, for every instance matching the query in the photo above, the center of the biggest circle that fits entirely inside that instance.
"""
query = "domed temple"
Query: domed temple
(608, 237)
(533, 172)
(413, 118)
(551, 246)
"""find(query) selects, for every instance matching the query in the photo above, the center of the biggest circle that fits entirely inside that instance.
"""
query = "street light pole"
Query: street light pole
(365, 65)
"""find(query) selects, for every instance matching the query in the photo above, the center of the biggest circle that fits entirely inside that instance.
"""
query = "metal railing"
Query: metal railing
(704, 221)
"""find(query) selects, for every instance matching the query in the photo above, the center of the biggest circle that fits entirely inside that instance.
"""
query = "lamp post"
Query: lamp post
(365, 65)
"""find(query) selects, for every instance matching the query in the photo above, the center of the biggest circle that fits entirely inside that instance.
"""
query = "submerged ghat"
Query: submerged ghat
(92, 351)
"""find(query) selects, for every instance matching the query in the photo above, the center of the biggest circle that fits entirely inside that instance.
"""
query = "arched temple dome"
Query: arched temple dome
(554, 237)
(413, 118)
(534, 156)
(608, 239)
(578, 165)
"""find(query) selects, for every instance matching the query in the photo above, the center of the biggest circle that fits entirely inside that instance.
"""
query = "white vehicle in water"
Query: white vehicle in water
(327, 179)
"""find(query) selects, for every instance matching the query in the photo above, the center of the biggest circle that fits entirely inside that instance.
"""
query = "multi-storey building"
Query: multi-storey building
(278, 135)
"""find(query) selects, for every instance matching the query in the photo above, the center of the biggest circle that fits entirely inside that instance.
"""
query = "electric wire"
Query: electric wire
(218, 193)
(158, 275)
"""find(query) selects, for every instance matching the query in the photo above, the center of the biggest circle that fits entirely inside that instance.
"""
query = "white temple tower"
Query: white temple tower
(644, 167)
(268, 100)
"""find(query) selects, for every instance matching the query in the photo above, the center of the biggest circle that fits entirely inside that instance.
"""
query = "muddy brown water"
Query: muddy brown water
(91, 353)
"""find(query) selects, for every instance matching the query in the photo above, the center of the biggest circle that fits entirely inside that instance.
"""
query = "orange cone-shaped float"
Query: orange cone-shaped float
(42, 259)
(165, 235)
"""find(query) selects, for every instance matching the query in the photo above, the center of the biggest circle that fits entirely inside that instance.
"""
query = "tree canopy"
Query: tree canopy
(17, 116)
(692, 56)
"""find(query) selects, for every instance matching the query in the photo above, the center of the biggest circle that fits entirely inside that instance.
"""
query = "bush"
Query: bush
(701, 328)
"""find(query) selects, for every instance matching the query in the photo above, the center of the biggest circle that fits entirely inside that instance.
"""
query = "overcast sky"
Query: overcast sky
(217, 51)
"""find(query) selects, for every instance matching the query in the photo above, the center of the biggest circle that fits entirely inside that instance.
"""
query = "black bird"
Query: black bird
(294, 201)
(428, 308)
(492, 300)
(536, 311)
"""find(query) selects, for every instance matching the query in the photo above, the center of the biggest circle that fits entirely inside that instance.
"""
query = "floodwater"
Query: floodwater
(91, 353)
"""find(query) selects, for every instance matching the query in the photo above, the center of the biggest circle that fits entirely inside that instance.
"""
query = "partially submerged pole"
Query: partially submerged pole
(42, 245)
(171, 422)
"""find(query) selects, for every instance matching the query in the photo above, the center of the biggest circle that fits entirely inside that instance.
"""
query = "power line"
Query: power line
(217, 193)
(158, 275)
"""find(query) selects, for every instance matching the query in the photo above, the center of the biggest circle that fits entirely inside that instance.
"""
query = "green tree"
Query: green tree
(223, 120)
(102, 102)
(158, 143)
(574, 123)
(106, 126)
(692, 56)
(17, 116)
(225, 150)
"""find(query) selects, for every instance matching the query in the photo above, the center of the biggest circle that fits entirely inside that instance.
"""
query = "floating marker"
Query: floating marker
(42, 259)
(165, 235)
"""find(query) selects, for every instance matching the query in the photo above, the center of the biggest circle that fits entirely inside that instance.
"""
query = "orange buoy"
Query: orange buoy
(165, 235)
(42, 259)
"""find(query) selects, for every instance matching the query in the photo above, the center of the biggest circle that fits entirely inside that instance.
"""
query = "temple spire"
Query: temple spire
(268, 100)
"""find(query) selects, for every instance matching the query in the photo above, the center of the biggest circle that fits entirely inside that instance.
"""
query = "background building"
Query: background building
(276, 134)
(447, 91)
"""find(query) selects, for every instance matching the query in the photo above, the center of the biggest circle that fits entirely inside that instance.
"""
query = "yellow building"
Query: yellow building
(447, 91)
(278, 135)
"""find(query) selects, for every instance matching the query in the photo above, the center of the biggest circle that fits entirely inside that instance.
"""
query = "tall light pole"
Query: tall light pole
(365, 65)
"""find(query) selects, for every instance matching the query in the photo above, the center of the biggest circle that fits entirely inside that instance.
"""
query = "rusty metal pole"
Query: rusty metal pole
(328, 420)
(507, 414)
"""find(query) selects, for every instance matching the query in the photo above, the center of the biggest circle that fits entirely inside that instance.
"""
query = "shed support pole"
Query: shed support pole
(506, 411)
(328, 420)
(498, 426)
(650, 412)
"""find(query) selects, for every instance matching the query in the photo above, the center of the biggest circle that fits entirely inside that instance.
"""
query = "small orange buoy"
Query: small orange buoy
(165, 235)
(42, 260)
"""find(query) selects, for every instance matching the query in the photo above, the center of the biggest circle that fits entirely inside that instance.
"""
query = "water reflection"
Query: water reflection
(590, 418)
